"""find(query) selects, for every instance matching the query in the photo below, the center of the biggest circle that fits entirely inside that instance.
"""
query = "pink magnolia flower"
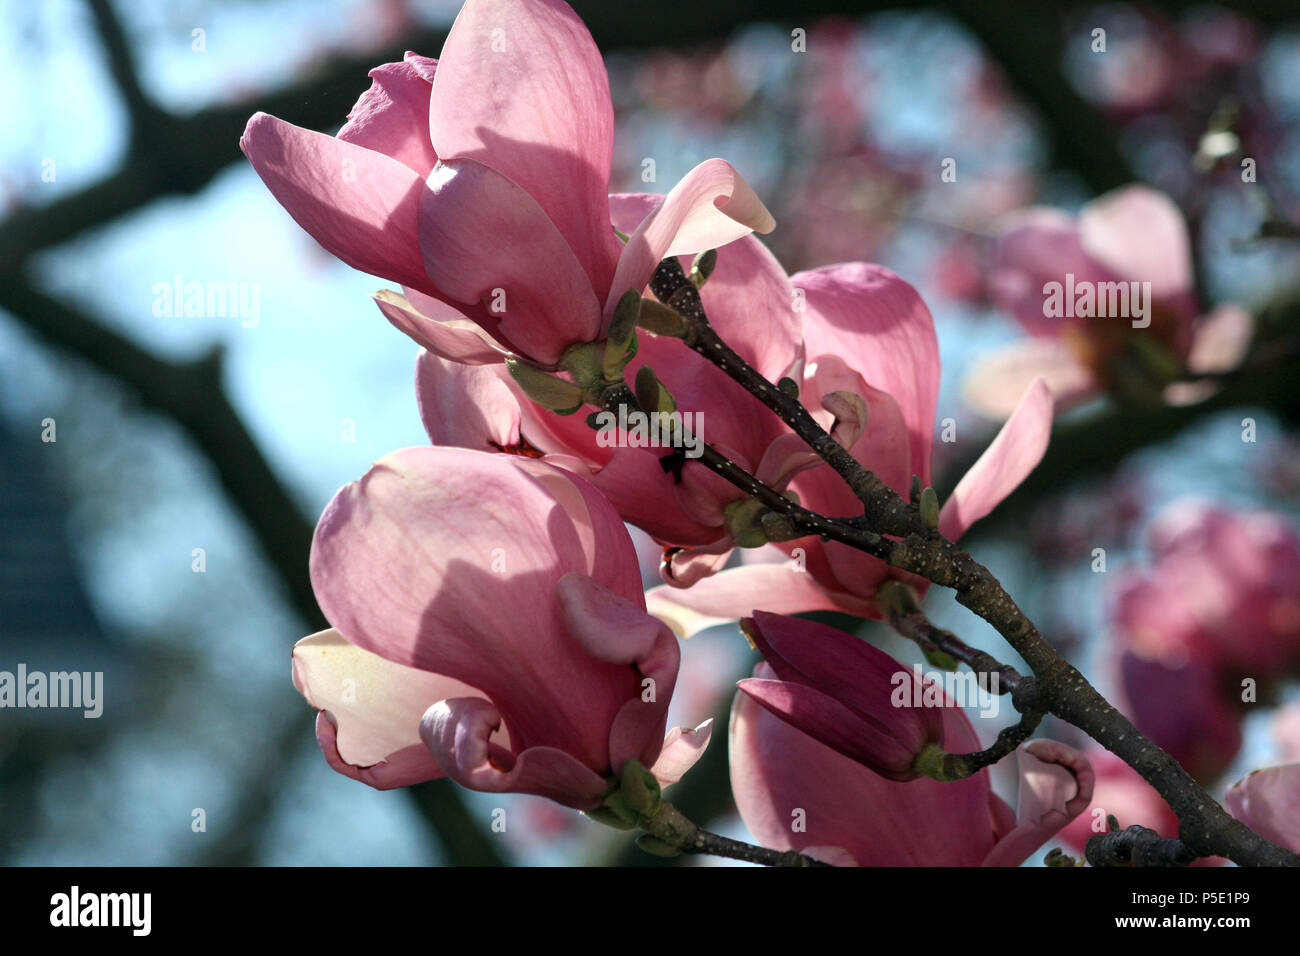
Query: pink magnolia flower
(1268, 801)
(749, 301)
(866, 333)
(1186, 708)
(1224, 587)
(1131, 235)
(843, 692)
(479, 183)
(794, 792)
(488, 626)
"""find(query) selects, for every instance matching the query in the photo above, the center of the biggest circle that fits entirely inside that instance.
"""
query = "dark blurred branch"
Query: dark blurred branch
(193, 395)
(1025, 37)
(121, 64)
(171, 155)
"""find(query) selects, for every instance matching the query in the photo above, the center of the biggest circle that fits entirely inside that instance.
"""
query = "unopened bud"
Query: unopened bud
(743, 519)
(929, 506)
(584, 361)
(620, 343)
(639, 788)
(788, 386)
(652, 844)
(611, 818)
(703, 266)
(658, 318)
(651, 394)
(557, 394)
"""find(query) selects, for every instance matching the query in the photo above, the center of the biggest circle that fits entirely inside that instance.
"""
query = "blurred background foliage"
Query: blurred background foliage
(120, 170)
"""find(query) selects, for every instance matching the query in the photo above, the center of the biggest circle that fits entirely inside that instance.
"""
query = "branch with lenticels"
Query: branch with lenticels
(904, 534)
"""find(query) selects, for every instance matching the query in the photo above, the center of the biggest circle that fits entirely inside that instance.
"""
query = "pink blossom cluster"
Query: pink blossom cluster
(488, 622)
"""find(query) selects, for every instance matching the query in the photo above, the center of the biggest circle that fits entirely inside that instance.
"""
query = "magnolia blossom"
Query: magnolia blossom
(1132, 240)
(479, 182)
(842, 691)
(1218, 610)
(1223, 588)
(1186, 707)
(796, 793)
(749, 301)
(488, 625)
(871, 354)
(1268, 801)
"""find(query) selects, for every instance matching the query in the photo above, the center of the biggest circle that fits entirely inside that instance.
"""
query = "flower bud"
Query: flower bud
(651, 394)
(620, 343)
(639, 788)
(840, 690)
(703, 267)
(658, 318)
(929, 505)
(557, 394)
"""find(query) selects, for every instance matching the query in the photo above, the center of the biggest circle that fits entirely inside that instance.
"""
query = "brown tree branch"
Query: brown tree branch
(1204, 826)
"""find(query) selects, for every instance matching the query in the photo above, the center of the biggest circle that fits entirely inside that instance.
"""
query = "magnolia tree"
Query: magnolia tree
(593, 360)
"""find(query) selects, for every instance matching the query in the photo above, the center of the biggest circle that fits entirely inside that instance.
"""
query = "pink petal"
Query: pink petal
(1056, 784)
(439, 328)
(682, 749)
(458, 733)
(879, 326)
(997, 382)
(1268, 801)
(850, 411)
(616, 630)
(471, 221)
(848, 669)
(884, 447)
(732, 594)
(750, 302)
(392, 116)
(522, 88)
(371, 709)
(412, 563)
(786, 457)
(646, 496)
(1139, 234)
(1018, 447)
(1036, 246)
(830, 722)
(780, 776)
(362, 206)
(465, 405)
(710, 207)
(1221, 340)
(402, 768)
(685, 567)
